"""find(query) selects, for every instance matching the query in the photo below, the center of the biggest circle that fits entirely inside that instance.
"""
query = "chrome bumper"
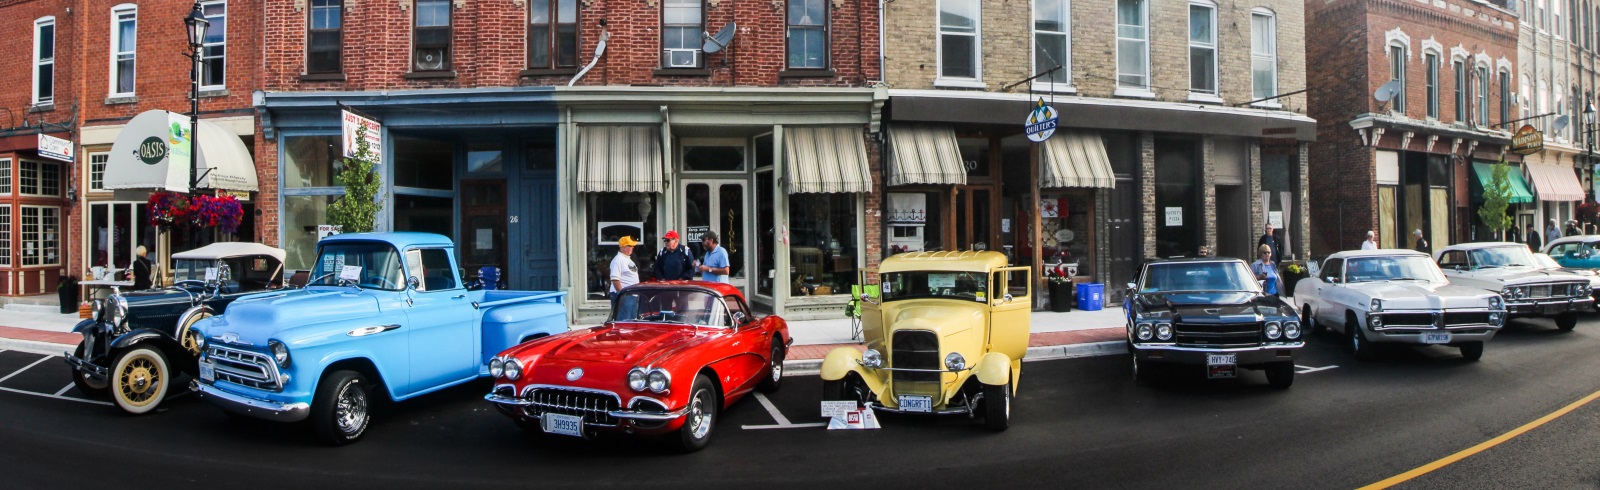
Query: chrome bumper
(1264, 354)
(511, 401)
(243, 405)
(1550, 306)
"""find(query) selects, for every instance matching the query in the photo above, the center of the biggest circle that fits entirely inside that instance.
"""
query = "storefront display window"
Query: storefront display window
(766, 251)
(423, 213)
(610, 216)
(484, 158)
(116, 229)
(301, 215)
(312, 161)
(423, 164)
(1065, 220)
(823, 243)
(41, 235)
(5, 235)
(713, 158)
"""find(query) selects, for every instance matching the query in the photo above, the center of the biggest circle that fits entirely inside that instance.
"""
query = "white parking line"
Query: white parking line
(25, 368)
(64, 389)
(68, 398)
(783, 422)
(1309, 369)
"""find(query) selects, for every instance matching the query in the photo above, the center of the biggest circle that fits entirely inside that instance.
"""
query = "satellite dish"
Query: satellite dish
(1387, 91)
(1560, 124)
(723, 37)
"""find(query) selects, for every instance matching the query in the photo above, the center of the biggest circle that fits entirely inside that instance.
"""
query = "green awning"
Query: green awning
(1519, 186)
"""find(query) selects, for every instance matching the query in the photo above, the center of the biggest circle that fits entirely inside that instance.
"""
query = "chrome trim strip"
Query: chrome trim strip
(262, 409)
(910, 370)
(1270, 346)
(945, 411)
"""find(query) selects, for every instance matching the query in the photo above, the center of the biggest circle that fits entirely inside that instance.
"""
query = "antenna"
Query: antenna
(1560, 124)
(723, 37)
(1386, 93)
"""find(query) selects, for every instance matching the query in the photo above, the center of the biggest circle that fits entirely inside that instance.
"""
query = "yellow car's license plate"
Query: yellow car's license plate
(916, 403)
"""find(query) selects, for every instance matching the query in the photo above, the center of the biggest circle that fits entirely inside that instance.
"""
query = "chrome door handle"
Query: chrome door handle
(458, 296)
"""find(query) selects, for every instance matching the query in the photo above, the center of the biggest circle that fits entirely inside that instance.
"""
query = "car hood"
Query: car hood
(1226, 307)
(630, 344)
(260, 317)
(945, 318)
(1422, 295)
(1512, 276)
(159, 295)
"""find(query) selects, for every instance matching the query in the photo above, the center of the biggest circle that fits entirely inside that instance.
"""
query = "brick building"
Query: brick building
(1180, 127)
(508, 127)
(1414, 160)
(1555, 63)
(38, 96)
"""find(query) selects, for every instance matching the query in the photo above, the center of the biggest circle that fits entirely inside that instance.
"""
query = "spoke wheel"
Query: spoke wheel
(141, 378)
(188, 337)
(84, 383)
(701, 417)
(774, 379)
(340, 411)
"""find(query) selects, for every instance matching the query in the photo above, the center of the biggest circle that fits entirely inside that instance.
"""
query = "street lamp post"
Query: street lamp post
(196, 24)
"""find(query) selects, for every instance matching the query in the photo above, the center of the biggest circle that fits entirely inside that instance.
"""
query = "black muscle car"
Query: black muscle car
(1210, 312)
(136, 338)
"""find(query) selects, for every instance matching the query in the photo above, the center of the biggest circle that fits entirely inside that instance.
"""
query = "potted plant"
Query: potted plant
(1060, 283)
(1292, 274)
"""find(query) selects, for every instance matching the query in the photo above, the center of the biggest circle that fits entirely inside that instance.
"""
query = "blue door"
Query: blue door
(443, 347)
(537, 253)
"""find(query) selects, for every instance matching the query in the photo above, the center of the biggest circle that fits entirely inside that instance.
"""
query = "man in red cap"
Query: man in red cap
(674, 261)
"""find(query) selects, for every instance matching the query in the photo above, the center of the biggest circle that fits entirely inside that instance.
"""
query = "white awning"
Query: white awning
(1555, 182)
(220, 151)
(1076, 159)
(826, 160)
(925, 155)
(223, 250)
(619, 159)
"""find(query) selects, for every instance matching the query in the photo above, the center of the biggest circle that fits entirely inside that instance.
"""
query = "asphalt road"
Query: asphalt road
(1076, 424)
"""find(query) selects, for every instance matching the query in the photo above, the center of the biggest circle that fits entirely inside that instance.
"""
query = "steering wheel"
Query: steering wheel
(386, 283)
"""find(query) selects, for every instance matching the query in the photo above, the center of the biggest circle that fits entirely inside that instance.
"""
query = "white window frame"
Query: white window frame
(6, 235)
(1216, 58)
(208, 46)
(1431, 68)
(39, 235)
(1506, 99)
(1484, 73)
(39, 178)
(977, 49)
(1257, 55)
(97, 169)
(1555, 18)
(116, 12)
(39, 63)
(1144, 18)
(1398, 73)
(1065, 73)
(5, 177)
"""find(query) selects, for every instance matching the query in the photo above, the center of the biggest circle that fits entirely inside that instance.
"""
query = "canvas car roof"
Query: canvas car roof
(1382, 252)
(222, 250)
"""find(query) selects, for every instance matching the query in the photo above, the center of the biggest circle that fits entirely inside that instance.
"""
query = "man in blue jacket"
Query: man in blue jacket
(673, 262)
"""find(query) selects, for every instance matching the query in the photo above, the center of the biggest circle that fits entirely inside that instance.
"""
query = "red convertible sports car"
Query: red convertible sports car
(670, 359)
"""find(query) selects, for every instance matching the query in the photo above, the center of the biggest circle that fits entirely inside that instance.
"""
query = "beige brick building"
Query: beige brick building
(1169, 137)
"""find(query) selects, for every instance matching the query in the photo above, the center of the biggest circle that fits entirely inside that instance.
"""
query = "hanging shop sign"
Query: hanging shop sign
(1041, 122)
(55, 148)
(1527, 141)
(350, 121)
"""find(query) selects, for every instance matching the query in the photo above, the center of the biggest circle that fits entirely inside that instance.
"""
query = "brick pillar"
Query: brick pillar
(1302, 240)
(1208, 191)
(1257, 221)
(872, 205)
(266, 199)
(1147, 192)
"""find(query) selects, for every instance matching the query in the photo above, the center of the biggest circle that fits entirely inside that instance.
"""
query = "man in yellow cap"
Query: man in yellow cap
(623, 271)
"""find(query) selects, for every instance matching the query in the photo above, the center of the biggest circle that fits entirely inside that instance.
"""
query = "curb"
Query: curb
(35, 347)
(811, 367)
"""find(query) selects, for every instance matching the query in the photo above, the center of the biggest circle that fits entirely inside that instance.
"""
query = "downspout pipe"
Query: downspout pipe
(599, 50)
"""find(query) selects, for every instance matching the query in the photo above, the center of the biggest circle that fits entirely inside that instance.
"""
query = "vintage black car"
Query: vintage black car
(1210, 312)
(137, 338)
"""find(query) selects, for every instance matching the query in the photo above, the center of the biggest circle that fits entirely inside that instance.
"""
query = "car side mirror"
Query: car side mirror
(1333, 280)
(412, 283)
(1132, 287)
(739, 318)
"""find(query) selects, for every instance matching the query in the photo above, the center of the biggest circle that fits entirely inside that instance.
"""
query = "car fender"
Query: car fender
(994, 369)
(842, 361)
(191, 312)
(85, 325)
(162, 341)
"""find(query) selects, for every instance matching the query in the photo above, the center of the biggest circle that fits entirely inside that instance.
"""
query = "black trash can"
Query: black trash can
(67, 293)
(1061, 299)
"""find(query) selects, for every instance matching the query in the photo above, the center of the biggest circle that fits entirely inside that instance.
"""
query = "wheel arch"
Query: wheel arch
(360, 365)
(716, 385)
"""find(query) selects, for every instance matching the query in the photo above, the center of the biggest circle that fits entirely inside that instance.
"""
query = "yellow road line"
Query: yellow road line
(1447, 460)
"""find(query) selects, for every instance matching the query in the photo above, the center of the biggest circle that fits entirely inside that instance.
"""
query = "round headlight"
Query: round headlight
(97, 307)
(1377, 305)
(1507, 292)
(1164, 331)
(497, 367)
(280, 352)
(955, 362)
(1273, 330)
(872, 358)
(1521, 292)
(658, 381)
(1496, 303)
(513, 369)
(1376, 321)
(1144, 331)
(1291, 330)
(636, 379)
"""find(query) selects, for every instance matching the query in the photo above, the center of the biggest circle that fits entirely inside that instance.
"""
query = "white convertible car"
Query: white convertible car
(1399, 297)
(1511, 270)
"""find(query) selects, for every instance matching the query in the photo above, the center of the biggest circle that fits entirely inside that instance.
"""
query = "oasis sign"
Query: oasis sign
(1527, 141)
(152, 150)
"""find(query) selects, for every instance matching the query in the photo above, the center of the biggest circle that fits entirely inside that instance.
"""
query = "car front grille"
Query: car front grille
(1407, 319)
(915, 349)
(1549, 291)
(1466, 318)
(244, 368)
(594, 407)
(1217, 334)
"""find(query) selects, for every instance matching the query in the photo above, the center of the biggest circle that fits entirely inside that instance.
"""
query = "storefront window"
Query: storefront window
(423, 164)
(5, 235)
(41, 239)
(484, 158)
(720, 158)
(301, 215)
(823, 243)
(116, 229)
(766, 251)
(311, 161)
(423, 213)
(610, 216)
(1064, 222)
(975, 154)
(1177, 219)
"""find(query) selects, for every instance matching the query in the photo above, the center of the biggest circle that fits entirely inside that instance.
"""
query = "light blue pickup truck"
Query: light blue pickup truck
(384, 315)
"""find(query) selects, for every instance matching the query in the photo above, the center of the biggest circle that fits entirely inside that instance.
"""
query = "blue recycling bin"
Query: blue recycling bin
(1091, 296)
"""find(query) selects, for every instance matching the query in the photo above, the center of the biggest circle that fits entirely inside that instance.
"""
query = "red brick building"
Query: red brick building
(506, 128)
(1410, 161)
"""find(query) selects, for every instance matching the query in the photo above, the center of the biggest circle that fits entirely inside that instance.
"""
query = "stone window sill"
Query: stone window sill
(216, 92)
(1137, 93)
(959, 83)
(124, 99)
(1204, 98)
(322, 77)
(45, 107)
(545, 72)
(427, 75)
(806, 73)
(681, 72)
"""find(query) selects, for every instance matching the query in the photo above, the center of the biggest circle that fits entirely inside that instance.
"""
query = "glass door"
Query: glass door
(718, 206)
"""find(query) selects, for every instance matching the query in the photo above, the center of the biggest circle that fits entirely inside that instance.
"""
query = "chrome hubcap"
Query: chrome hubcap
(351, 413)
(699, 420)
(777, 368)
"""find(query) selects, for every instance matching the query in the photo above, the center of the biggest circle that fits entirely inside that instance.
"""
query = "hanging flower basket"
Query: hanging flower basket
(168, 209)
(223, 213)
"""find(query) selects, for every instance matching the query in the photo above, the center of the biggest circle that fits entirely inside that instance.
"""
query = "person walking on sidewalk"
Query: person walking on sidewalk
(714, 268)
(624, 272)
(1371, 242)
(141, 269)
(1572, 228)
(673, 263)
(1551, 231)
(1422, 244)
(1266, 270)
(1271, 240)
(1533, 241)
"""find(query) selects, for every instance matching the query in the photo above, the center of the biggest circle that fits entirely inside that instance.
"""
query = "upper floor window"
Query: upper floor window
(1397, 73)
(324, 45)
(682, 25)
(5, 177)
(1483, 95)
(214, 73)
(959, 27)
(808, 34)
(1555, 16)
(430, 38)
(124, 30)
(553, 34)
(1133, 45)
(1052, 41)
(1430, 62)
(44, 61)
(1505, 96)
(1263, 53)
(39, 179)
(1203, 48)
(1459, 68)
(97, 170)
(1544, 22)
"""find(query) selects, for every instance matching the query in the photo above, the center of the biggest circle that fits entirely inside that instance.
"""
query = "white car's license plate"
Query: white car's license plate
(566, 425)
(916, 403)
(1221, 359)
(1436, 338)
(207, 373)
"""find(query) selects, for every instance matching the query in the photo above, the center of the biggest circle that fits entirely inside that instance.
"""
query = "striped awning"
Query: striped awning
(1076, 159)
(925, 155)
(1555, 182)
(619, 159)
(826, 160)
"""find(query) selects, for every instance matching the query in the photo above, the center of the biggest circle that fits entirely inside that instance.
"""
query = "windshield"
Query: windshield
(195, 270)
(372, 265)
(1198, 276)
(935, 284)
(1366, 269)
(1545, 262)
(1506, 256)
(670, 306)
